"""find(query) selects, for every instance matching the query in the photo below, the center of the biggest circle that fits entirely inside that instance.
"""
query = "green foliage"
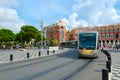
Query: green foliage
(39, 37)
(6, 35)
(53, 42)
(27, 33)
(18, 37)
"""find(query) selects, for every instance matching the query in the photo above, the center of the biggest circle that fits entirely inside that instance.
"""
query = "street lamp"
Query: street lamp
(44, 37)
(21, 39)
(41, 25)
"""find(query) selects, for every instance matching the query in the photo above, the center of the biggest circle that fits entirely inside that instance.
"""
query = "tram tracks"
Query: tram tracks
(66, 66)
(28, 62)
(76, 71)
(46, 75)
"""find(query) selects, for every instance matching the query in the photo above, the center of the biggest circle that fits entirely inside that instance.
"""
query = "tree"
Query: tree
(18, 37)
(27, 33)
(6, 35)
(39, 37)
(53, 42)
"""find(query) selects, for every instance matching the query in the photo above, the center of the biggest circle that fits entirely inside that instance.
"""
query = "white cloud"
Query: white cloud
(65, 21)
(93, 12)
(72, 21)
(10, 19)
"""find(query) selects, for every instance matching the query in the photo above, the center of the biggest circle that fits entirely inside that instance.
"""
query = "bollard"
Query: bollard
(108, 65)
(47, 52)
(11, 57)
(39, 53)
(53, 51)
(109, 58)
(59, 47)
(28, 55)
(104, 74)
(107, 54)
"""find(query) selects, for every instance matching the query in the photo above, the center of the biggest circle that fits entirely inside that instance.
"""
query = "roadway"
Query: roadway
(63, 65)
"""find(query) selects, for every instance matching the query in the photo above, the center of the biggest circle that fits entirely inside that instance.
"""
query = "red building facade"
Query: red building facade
(108, 35)
(57, 31)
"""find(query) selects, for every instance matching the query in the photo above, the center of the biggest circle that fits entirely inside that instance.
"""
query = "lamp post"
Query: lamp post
(45, 37)
(21, 39)
(41, 25)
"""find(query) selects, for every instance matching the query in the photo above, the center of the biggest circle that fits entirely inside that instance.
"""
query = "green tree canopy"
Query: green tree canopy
(27, 33)
(6, 35)
(40, 37)
(18, 37)
(53, 42)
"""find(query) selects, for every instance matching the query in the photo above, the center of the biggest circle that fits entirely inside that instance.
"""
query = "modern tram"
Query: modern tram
(69, 44)
(87, 44)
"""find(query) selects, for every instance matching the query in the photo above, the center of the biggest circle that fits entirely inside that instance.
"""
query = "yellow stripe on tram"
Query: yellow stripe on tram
(86, 52)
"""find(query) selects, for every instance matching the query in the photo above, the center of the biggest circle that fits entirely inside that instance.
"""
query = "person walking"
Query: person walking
(117, 47)
(4, 47)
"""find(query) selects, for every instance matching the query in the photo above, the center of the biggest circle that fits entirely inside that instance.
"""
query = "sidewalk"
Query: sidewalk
(19, 54)
(115, 65)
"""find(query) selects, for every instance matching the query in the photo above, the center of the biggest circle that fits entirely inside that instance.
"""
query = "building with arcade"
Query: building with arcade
(109, 35)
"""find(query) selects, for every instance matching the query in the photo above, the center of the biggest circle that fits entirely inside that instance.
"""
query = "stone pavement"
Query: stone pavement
(19, 54)
(115, 65)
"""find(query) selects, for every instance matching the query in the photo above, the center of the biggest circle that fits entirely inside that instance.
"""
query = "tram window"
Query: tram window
(87, 41)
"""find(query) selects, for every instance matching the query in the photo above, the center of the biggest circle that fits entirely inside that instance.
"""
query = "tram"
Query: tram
(88, 44)
(69, 44)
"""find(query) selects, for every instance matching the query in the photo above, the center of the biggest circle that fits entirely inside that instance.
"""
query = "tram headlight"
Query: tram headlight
(82, 51)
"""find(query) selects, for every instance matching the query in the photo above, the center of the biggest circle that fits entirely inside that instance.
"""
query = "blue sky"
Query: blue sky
(75, 13)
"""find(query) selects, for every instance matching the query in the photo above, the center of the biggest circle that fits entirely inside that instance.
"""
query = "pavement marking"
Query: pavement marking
(22, 55)
(116, 67)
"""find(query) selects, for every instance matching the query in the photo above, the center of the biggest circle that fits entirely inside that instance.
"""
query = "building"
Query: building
(108, 35)
(75, 31)
(57, 30)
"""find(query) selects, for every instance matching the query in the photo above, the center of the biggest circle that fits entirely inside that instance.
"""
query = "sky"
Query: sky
(75, 13)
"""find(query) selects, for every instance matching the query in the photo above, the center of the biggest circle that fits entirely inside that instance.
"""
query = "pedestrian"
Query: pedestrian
(4, 47)
(102, 49)
(117, 47)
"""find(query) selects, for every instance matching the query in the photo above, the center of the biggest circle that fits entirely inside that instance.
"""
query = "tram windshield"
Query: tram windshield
(87, 41)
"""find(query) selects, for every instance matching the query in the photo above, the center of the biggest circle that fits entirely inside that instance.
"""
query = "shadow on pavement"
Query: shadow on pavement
(70, 53)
